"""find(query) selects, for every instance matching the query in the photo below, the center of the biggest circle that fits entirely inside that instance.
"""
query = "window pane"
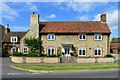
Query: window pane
(48, 51)
(84, 36)
(52, 36)
(52, 51)
(80, 52)
(99, 36)
(95, 52)
(83, 52)
(95, 36)
(48, 36)
(99, 52)
(80, 36)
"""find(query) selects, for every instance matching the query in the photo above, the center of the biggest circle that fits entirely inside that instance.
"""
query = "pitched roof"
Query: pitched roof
(116, 40)
(18, 34)
(74, 27)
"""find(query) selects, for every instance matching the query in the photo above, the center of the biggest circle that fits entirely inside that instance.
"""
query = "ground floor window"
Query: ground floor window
(51, 51)
(82, 52)
(13, 49)
(97, 51)
(25, 50)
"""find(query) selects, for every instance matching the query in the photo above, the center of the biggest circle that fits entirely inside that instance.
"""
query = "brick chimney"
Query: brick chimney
(7, 30)
(103, 18)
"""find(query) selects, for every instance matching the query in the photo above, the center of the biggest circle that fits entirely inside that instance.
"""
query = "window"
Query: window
(82, 36)
(13, 49)
(51, 36)
(14, 39)
(25, 50)
(51, 51)
(98, 37)
(97, 51)
(82, 52)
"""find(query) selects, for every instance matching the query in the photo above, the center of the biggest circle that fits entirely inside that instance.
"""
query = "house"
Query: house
(1, 37)
(86, 38)
(114, 45)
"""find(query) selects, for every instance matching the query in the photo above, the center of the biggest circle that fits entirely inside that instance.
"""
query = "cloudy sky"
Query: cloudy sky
(17, 14)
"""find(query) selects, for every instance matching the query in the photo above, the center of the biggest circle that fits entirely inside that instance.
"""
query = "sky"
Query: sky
(17, 14)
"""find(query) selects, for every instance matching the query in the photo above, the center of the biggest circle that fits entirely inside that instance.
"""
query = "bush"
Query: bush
(58, 55)
(108, 55)
(17, 54)
(31, 54)
(73, 54)
(52, 55)
(5, 53)
(43, 55)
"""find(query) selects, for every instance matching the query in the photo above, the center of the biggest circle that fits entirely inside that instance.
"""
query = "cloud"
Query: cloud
(112, 20)
(52, 16)
(82, 18)
(19, 28)
(31, 6)
(8, 13)
(7, 10)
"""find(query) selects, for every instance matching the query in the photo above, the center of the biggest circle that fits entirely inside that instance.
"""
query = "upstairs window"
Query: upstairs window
(98, 37)
(82, 36)
(51, 37)
(82, 52)
(25, 50)
(97, 51)
(14, 38)
(51, 51)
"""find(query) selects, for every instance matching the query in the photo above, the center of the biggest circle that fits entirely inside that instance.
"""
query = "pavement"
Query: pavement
(9, 72)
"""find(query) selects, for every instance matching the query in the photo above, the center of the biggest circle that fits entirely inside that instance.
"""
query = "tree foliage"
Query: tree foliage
(33, 44)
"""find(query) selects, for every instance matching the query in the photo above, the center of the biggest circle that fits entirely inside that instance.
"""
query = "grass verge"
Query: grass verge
(70, 67)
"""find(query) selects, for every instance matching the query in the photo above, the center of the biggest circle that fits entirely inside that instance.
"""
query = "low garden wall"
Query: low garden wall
(34, 59)
(58, 60)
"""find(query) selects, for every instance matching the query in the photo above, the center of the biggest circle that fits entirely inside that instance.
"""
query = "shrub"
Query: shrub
(31, 54)
(5, 53)
(52, 55)
(58, 54)
(73, 54)
(108, 55)
(43, 55)
(17, 54)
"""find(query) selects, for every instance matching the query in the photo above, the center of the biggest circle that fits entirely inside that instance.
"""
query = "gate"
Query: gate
(67, 59)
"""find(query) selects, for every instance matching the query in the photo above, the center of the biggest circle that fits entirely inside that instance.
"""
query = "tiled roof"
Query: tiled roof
(74, 27)
(18, 34)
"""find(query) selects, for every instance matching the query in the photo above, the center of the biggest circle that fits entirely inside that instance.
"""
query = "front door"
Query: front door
(67, 51)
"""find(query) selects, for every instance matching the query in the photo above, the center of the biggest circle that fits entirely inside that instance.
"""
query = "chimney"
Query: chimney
(103, 18)
(7, 30)
(34, 24)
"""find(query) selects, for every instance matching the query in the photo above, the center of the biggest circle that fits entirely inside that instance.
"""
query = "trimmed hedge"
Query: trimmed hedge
(108, 55)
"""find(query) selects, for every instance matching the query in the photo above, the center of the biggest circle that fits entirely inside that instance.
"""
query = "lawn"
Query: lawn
(70, 67)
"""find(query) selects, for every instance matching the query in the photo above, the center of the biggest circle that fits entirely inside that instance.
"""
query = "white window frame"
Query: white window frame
(51, 50)
(82, 51)
(97, 51)
(12, 49)
(24, 51)
(50, 37)
(15, 38)
(82, 34)
(97, 36)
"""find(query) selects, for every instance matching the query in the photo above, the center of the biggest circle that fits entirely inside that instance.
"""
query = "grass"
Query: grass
(70, 67)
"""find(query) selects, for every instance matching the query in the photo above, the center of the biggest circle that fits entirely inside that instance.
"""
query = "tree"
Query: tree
(112, 39)
(34, 44)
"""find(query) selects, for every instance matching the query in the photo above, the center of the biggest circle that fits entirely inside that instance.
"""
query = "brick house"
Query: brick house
(86, 38)
(114, 45)
(1, 37)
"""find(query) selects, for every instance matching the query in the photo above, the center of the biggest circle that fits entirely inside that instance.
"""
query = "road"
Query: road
(8, 72)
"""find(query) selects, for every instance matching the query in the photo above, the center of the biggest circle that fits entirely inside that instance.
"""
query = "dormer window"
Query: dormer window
(98, 37)
(51, 37)
(82, 36)
(14, 38)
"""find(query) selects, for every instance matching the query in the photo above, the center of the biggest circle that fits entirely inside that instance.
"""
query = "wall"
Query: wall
(73, 39)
